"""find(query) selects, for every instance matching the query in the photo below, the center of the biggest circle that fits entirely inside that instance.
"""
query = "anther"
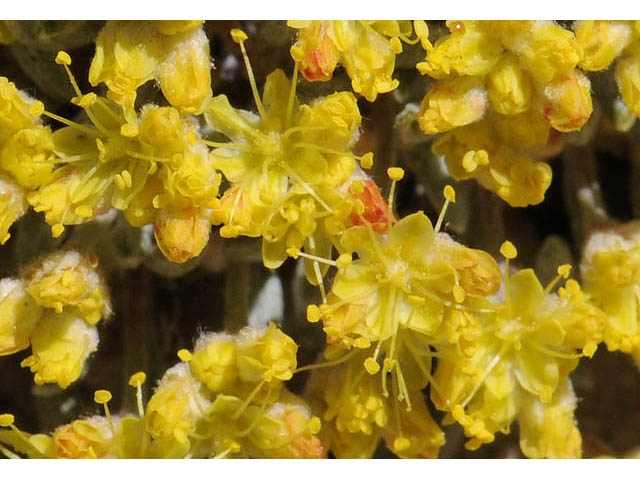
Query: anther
(63, 58)
(371, 366)
(6, 420)
(395, 173)
(313, 313)
(184, 355)
(238, 35)
(366, 161)
(508, 250)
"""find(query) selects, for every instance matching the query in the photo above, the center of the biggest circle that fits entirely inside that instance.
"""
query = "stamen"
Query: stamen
(329, 363)
(395, 174)
(509, 252)
(563, 272)
(8, 453)
(248, 400)
(136, 381)
(306, 186)
(295, 253)
(449, 197)
(490, 367)
(298, 55)
(318, 273)
(263, 406)
(239, 37)
(102, 397)
(85, 128)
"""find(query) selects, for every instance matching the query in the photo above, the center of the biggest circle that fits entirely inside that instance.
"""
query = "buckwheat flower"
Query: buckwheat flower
(519, 366)
(286, 166)
(175, 54)
(177, 404)
(215, 361)
(602, 41)
(28, 156)
(17, 110)
(61, 344)
(13, 205)
(19, 315)
(611, 273)
(357, 413)
(69, 281)
(87, 438)
(265, 355)
(492, 74)
(154, 166)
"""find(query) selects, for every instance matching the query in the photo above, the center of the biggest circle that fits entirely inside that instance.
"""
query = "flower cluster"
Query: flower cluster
(503, 88)
(53, 306)
(226, 400)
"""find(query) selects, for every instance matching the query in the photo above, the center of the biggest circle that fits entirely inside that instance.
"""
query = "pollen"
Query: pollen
(184, 355)
(366, 161)
(508, 250)
(6, 420)
(395, 173)
(137, 379)
(238, 35)
(102, 396)
(63, 58)
(313, 313)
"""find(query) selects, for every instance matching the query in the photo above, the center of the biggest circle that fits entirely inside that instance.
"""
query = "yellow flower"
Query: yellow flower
(520, 364)
(265, 355)
(28, 156)
(602, 41)
(61, 344)
(148, 167)
(214, 361)
(13, 205)
(176, 405)
(286, 167)
(87, 438)
(19, 315)
(495, 77)
(69, 281)
(176, 54)
(611, 273)
(16, 110)
(366, 49)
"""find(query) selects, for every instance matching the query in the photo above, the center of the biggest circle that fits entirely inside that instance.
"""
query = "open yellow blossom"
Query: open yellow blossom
(520, 365)
(19, 315)
(87, 438)
(496, 74)
(176, 54)
(286, 166)
(398, 291)
(357, 413)
(611, 273)
(366, 49)
(61, 344)
(69, 281)
(152, 166)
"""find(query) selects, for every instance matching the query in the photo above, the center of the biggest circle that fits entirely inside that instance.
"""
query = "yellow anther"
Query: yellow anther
(57, 230)
(63, 58)
(362, 342)
(314, 425)
(589, 349)
(388, 364)
(395, 173)
(371, 366)
(482, 157)
(564, 270)
(359, 207)
(357, 187)
(469, 162)
(129, 130)
(313, 313)
(85, 101)
(508, 250)
(84, 211)
(229, 231)
(415, 300)
(137, 378)
(366, 161)
(184, 355)
(126, 176)
(344, 260)
(119, 181)
(102, 396)
(238, 35)
(449, 193)
(459, 294)
(293, 252)
(297, 53)
(396, 45)
(401, 443)
(36, 109)
(6, 420)
(421, 28)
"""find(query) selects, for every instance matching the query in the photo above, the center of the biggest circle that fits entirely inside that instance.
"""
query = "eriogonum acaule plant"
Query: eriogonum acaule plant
(419, 325)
